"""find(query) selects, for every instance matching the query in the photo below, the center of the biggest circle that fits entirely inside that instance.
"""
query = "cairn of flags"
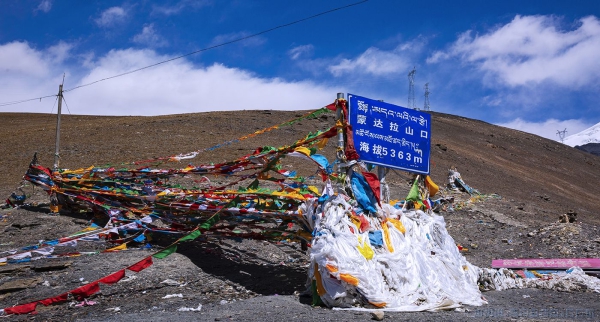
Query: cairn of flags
(364, 253)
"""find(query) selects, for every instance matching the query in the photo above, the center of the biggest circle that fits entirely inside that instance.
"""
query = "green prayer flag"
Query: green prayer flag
(413, 195)
(191, 236)
(165, 252)
(210, 222)
(254, 184)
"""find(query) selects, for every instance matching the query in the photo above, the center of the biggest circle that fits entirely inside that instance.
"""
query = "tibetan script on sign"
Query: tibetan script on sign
(390, 135)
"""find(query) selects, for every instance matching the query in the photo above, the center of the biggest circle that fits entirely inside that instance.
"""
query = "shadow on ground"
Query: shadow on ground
(265, 279)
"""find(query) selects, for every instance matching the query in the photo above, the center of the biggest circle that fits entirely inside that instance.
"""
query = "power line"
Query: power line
(194, 52)
(221, 44)
(26, 100)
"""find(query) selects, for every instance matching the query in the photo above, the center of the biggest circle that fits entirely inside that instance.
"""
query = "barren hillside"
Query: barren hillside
(543, 177)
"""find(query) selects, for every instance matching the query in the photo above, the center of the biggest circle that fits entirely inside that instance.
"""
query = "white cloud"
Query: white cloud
(300, 51)
(180, 6)
(44, 6)
(29, 73)
(19, 59)
(60, 52)
(372, 61)
(548, 128)
(111, 16)
(531, 50)
(377, 62)
(149, 37)
(171, 88)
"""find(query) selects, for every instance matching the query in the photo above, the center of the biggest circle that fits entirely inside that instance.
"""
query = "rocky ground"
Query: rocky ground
(527, 182)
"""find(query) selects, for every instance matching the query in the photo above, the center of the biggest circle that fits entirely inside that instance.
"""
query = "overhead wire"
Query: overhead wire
(67, 105)
(195, 52)
(26, 100)
(221, 44)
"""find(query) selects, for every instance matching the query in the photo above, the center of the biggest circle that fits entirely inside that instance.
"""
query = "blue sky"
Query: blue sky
(529, 65)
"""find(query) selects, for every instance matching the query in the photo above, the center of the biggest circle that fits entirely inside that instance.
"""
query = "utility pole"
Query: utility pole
(411, 89)
(56, 152)
(426, 106)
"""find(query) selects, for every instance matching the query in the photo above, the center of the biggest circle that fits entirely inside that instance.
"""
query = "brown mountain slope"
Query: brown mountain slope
(541, 177)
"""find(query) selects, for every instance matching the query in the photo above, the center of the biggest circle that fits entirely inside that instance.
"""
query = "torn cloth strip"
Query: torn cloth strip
(21, 309)
(112, 278)
(55, 300)
(86, 290)
(144, 263)
(373, 182)
(363, 193)
(191, 236)
(165, 252)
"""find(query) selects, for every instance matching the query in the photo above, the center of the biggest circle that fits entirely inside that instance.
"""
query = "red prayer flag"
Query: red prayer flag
(373, 182)
(54, 300)
(21, 309)
(144, 263)
(112, 278)
(86, 290)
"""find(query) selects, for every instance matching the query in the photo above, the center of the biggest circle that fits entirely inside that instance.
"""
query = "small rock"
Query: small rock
(51, 266)
(19, 284)
(170, 282)
(505, 241)
(377, 315)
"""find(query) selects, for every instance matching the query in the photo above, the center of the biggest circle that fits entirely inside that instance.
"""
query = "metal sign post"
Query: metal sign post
(339, 117)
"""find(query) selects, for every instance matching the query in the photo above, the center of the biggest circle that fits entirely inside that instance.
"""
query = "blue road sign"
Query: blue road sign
(390, 135)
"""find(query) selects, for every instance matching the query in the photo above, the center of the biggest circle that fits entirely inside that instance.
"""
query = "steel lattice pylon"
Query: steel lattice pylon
(561, 135)
(426, 106)
(411, 89)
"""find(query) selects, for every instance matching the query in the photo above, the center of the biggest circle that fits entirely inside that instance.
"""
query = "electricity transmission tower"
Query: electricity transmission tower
(561, 135)
(426, 106)
(411, 89)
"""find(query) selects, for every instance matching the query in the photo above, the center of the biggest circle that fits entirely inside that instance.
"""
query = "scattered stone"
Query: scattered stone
(572, 216)
(442, 147)
(19, 284)
(81, 221)
(170, 282)
(11, 269)
(377, 315)
(51, 266)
